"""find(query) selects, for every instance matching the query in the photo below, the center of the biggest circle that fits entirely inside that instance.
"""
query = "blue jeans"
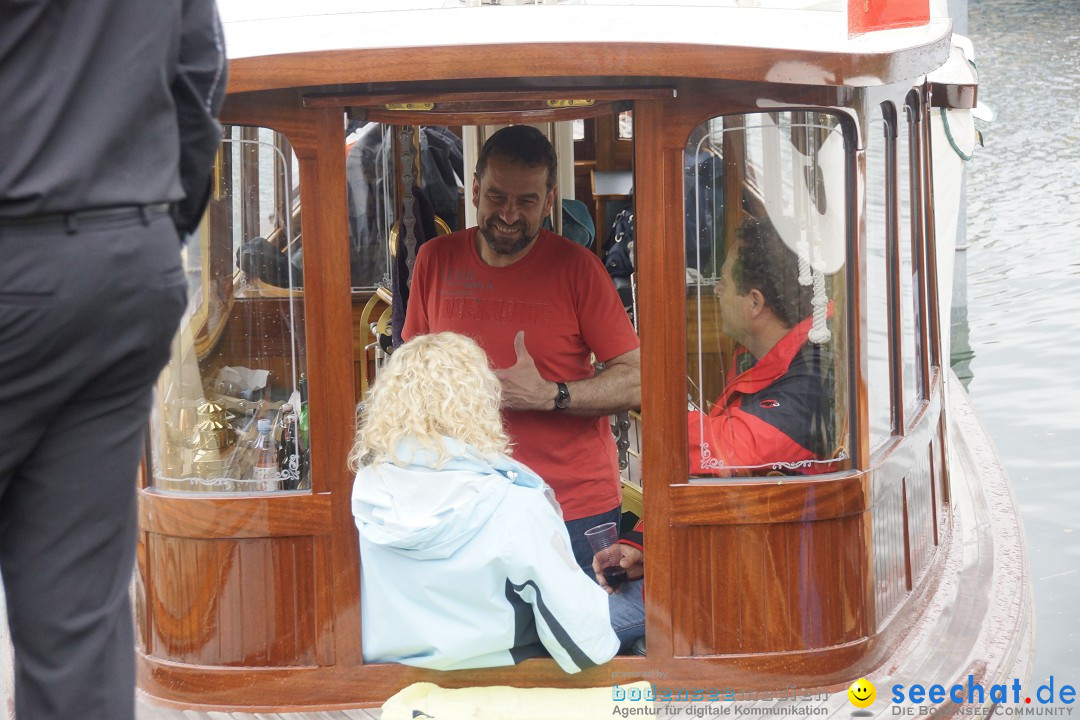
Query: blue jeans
(583, 554)
(627, 609)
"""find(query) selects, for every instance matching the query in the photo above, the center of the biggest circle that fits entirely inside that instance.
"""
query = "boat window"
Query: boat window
(907, 163)
(880, 162)
(766, 217)
(230, 411)
(578, 130)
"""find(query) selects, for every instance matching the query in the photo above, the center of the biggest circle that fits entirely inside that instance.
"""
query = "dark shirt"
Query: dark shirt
(108, 103)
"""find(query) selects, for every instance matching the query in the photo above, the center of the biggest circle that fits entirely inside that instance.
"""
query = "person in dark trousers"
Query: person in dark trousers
(108, 134)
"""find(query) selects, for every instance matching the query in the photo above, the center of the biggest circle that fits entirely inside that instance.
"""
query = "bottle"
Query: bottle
(266, 474)
(290, 460)
(303, 426)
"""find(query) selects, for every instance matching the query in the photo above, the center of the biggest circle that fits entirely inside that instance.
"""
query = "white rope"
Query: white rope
(804, 262)
(819, 334)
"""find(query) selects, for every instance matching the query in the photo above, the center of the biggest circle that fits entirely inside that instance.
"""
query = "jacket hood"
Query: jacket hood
(428, 512)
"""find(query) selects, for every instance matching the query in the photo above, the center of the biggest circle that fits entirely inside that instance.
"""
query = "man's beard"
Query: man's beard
(507, 247)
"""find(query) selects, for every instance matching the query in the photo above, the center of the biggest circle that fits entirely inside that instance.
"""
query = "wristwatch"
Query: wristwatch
(562, 399)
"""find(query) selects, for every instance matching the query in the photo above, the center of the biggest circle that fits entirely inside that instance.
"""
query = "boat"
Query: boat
(899, 558)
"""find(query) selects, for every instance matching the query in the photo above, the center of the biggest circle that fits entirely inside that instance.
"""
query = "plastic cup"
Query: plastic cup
(604, 541)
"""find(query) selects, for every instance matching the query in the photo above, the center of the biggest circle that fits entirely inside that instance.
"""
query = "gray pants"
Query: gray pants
(88, 307)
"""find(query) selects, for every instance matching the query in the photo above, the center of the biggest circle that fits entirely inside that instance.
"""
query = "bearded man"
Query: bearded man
(542, 307)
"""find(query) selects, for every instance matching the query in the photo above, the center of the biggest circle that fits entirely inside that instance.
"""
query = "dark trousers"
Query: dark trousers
(583, 554)
(88, 308)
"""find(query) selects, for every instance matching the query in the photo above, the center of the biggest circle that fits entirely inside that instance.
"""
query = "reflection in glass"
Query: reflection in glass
(911, 367)
(370, 184)
(238, 358)
(879, 395)
(767, 380)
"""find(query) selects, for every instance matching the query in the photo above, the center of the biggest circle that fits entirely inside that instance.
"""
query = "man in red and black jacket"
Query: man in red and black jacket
(777, 412)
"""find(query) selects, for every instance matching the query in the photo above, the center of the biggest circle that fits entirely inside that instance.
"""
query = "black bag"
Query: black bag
(619, 247)
(258, 258)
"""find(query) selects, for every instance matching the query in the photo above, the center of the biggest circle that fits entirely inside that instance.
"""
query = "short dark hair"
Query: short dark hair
(523, 145)
(766, 263)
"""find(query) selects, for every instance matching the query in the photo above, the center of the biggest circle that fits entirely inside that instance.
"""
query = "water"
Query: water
(1024, 292)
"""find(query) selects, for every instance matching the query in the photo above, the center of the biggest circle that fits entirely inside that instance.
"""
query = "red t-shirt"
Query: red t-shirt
(564, 300)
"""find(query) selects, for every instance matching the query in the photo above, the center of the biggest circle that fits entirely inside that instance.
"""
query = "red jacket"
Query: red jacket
(776, 415)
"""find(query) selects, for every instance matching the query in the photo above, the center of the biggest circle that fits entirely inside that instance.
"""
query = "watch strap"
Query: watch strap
(562, 398)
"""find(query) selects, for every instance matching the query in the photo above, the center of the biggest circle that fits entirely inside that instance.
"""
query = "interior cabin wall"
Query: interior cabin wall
(258, 332)
(602, 150)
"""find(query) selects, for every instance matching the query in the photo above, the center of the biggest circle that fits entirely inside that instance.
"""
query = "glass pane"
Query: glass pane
(879, 395)
(703, 195)
(231, 408)
(578, 130)
(910, 346)
(373, 151)
(369, 169)
(767, 345)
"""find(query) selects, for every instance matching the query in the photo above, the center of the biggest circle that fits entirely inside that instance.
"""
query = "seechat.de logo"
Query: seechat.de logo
(862, 693)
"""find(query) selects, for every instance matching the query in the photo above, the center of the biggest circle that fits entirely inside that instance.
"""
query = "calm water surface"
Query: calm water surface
(1024, 292)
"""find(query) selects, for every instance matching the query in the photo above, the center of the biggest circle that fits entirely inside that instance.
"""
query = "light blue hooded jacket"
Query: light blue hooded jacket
(469, 566)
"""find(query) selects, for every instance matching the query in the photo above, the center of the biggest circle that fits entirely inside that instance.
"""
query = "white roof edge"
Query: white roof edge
(272, 33)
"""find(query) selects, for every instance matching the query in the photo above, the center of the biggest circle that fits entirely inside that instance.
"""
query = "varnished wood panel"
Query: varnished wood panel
(903, 511)
(941, 467)
(769, 500)
(768, 588)
(251, 516)
(920, 513)
(333, 411)
(661, 273)
(342, 685)
(569, 60)
(890, 551)
(233, 602)
(260, 333)
(477, 100)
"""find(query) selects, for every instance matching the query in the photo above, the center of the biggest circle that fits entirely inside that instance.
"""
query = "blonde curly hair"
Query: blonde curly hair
(433, 385)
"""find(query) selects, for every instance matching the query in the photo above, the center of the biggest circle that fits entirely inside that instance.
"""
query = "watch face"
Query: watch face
(562, 400)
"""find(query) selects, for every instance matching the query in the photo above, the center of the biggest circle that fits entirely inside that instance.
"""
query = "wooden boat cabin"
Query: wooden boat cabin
(694, 118)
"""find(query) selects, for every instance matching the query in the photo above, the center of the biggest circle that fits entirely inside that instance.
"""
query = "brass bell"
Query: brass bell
(213, 429)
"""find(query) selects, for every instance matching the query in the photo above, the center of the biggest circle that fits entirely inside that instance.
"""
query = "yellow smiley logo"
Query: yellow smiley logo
(861, 693)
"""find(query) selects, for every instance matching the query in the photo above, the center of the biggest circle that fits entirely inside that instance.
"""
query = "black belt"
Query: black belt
(71, 221)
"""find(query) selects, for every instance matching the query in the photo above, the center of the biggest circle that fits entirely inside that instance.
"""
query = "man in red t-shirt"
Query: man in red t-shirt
(543, 308)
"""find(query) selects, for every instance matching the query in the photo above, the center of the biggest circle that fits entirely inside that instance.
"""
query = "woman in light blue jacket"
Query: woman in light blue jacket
(465, 561)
